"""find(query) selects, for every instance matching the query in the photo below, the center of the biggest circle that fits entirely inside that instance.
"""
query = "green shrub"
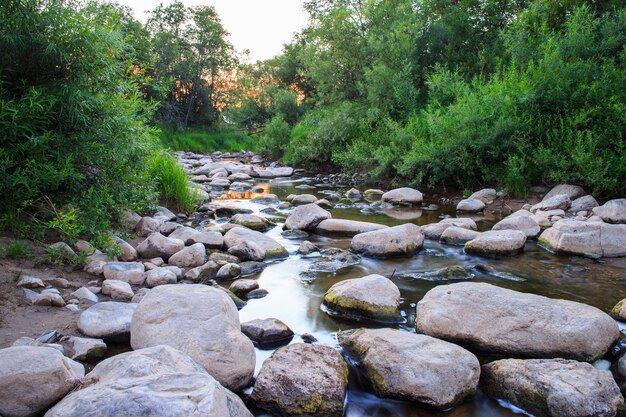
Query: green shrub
(275, 137)
(17, 249)
(207, 140)
(172, 183)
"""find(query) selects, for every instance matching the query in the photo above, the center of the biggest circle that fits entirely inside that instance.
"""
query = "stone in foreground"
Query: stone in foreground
(498, 320)
(590, 239)
(413, 367)
(403, 240)
(157, 382)
(497, 243)
(267, 332)
(371, 298)
(553, 387)
(158, 246)
(34, 378)
(200, 321)
(347, 228)
(619, 311)
(302, 380)
(109, 321)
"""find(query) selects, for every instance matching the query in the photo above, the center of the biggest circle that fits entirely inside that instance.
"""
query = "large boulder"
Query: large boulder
(347, 228)
(590, 239)
(403, 240)
(201, 321)
(613, 211)
(262, 246)
(559, 201)
(486, 195)
(371, 298)
(470, 205)
(158, 246)
(497, 243)
(211, 240)
(553, 387)
(251, 222)
(302, 380)
(130, 272)
(403, 197)
(413, 367)
(524, 224)
(584, 203)
(109, 321)
(189, 257)
(499, 320)
(158, 382)
(571, 191)
(301, 199)
(306, 217)
(455, 235)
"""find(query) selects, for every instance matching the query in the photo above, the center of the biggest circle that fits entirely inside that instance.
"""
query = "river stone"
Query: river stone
(571, 191)
(219, 183)
(307, 248)
(157, 245)
(413, 367)
(84, 294)
(252, 245)
(26, 281)
(239, 176)
(128, 252)
(306, 217)
(619, 311)
(251, 222)
(454, 235)
(434, 231)
(301, 199)
(470, 205)
(117, 290)
(403, 197)
(613, 211)
(272, 172)
(87, 349)
(148, 225)
(227, 211)
(499, 320)
(403, 240)
(324, 203)
(131, 272)
(189, 257)
(201, 321)
(267, 332)
(228, 272)
(560, 201)
(553, 387)
(486, 195)
(371, 298)
(302, 380)
(34, 378)
(266, 199)
(160, 276)
(584, 203)
(497, 243)
(204, 272)
(109, 321)
(524, 224)
(590, 239)
(460, 222)
(241, 287)
(211, 240)
(165, 213)
(347, 228)
(158, 382)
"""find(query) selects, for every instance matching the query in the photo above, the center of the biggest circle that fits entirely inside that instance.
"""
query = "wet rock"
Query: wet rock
(87, 349)
(470, 205)
(306, 217)
(619, 311)
(228, 272)
(553, 387)
(613, 211)
(571, 191)
(486, 195)
(353, 193)
(584, 203)
(211, 240)
(403, 197)
(131, 272)
(26, 281)
(228, 211)
(128, 252)
(223, 257)
(249, 245)
(189, 257)
(251, 267)
(109, 321)
(158, 382)
(446, 273)
(301, 199)
(267, 332)
(454, 235)
(204, 272)
(302, 380)
(590, 239)
(258, 293)
(241, 287)
(348, 228)
(148, 225)
(373, 193)
(499, 320)
(524, 224)
(239, 176)
(560, 201)
(117, 290)
(306, 248)
(413, 367)
(435, 230)
(251, 222)
(219, 183)
(332, 260)
(266, 199)
(84, 294)
(200, 321)
(34, 378)
(324, 203)
(403, 240)
(497, 243)
(294, 234)
(371, 298)
(157, 245)
(160, 276)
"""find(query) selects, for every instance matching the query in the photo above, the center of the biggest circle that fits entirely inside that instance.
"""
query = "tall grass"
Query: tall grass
(172, 183)
(207, 140)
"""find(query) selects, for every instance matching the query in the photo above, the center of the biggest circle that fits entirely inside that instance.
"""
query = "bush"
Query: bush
(17, 249)
(206, 140)
(172, 183)
(275, 137)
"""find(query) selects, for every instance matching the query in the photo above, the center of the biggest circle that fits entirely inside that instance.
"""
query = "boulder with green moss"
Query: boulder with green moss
(261, 246)
(251, 222)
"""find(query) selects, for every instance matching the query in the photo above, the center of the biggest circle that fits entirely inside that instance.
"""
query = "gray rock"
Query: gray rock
(211, 240)
(87, 349)
(266, 199)
(252, 245)
(306, 248)
(228, 272)
(157, 245)
(403, 197)
(251, 222)
(84, 294)
(306, 217)
(202, 322)
(166, 213)
(413, 367)
(48, 299)
(553, 387)
(571, 191)
(189, 257)
(273, 172)
(347, 228)
(590, 239)
(560, 201)
(141, 292)
(454, 235)
(148, 225)
(302, 380)
(584, 203)
(34, 378)
(117, 290)
(258, 293)
(498, 320)
(205, 272)
(497, 243)
(158, 382)
(241, 287)
(613, 211)
(109, 321)
(619, 311)
(168, 228)
(129, 220)
(26, 281)
(63, 247)
(470, 205)
(486, 195)
(434, 231)
(128, 252)
(403, 240)
(524, 224)
(160, 276)
(303, 199)
(267, 332)
(131, 272)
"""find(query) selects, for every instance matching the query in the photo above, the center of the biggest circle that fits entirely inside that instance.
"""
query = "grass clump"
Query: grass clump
(17, 249)
(172, 183)
(207, 140)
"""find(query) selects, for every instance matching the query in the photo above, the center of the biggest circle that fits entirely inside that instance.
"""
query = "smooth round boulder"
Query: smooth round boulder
(189, 257)
(252, 245)
(455, 235)
(267, 332)
(397, 241)
(371, 298)
(470, 205)
(571, 191)
(302, 380)
(346, 228)
(413, 367)
(251, 222)
(553, 387)
(498, 320)
(158, 382)
(524, 224)
(201, 321)
(228, 272)
(404, 196)
(109, 321)
(158, 246)
(497, 243)
(306, 217)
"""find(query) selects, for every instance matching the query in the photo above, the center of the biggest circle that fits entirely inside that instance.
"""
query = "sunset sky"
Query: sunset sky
(262, 26)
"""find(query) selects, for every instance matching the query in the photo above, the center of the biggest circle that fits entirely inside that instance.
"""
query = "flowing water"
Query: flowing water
(295, 298)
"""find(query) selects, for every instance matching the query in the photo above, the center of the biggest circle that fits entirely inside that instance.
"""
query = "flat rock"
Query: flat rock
(211, 240)
(455, 235)
(590, 239)
(267, 332)
(262, 246)
(470, 205)
(403, 240)
(403, 196)
(524, 224)
(117, 290)
(571, 191)
(499, 320)
(613, 211)
(157, 245)
(273, 172)
(497, 243)
(109, 321)
(87, 349)
(306, 217)
(131, 272)
(348, 228)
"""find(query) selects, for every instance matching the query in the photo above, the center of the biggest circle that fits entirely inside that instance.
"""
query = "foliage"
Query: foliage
(208, 139)
(17, 249)
(172, 183)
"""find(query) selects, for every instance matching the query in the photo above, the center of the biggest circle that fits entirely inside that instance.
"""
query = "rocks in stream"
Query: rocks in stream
(158, 246)
(403, 240)
(553, 387)
(302, 380)
(470, 205)
(250, 245)
(413, 367)
(306, 217)
(403, 197)
(346, 228)
(200, 321)
(34, 378)
(497, 243)
(189, 257)
(302, 199)
(158, 381)
(613, 211)
(590, 239)
(251, 222)
(571, 191)
(242, 287)
(499, 320)
(109, 321)
(619, 311)
(454, 235)
(332, 260)
(210, 240)
(268, 333)
(524, 224)
(371, 298)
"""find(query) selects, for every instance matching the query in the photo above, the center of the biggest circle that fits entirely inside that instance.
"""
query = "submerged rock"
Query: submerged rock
(403, 240)
(332, 260)
(447, 273)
